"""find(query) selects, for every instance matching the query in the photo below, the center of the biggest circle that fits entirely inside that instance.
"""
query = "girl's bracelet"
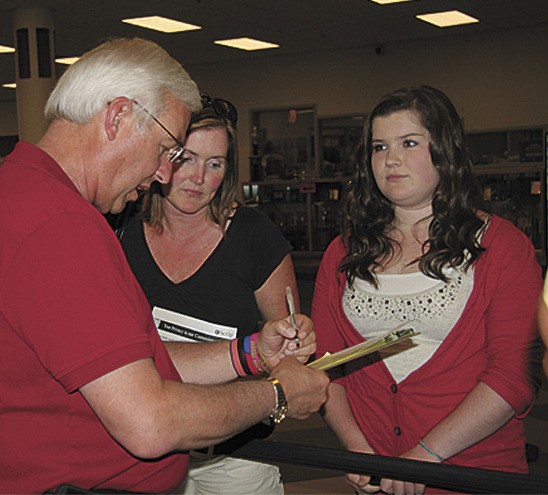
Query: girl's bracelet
(430, 451)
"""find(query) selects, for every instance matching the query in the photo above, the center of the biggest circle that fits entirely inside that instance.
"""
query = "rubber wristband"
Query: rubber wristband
(236, 362)
(258, 360)
(430, 451)
(251, 357)
(247, 344)
(242, 356)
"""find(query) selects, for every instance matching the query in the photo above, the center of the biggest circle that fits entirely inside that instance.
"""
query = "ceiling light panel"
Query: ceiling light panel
(447, 19)
(386, 2)
(248, 44)
(66, 60)
(162, 24)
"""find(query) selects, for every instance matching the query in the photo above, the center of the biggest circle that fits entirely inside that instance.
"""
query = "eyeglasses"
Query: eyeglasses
(175, 154)
(221, 107)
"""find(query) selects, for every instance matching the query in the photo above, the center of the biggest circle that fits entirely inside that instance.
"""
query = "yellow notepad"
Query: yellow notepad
(327, 361)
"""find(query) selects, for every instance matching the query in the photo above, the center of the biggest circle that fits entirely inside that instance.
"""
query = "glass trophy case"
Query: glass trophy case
(301, 190)
(284, 143)
(299, 167)
(511, 168)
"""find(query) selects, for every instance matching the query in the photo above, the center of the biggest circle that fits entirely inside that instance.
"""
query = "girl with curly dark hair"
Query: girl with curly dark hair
(416, 249)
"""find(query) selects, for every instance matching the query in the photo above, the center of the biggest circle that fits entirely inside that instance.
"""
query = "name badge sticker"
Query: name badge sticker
(176, 327)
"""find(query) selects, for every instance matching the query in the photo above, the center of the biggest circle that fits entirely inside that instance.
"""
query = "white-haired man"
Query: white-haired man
(89, 395)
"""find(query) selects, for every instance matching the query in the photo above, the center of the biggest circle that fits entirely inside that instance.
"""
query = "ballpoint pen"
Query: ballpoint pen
(291, 305)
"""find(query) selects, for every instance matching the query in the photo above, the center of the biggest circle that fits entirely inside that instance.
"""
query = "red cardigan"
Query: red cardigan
(489, 343)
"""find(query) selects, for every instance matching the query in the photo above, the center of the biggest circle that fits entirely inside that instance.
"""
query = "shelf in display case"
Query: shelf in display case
(511, 167)
(305, 210)
(517, 191)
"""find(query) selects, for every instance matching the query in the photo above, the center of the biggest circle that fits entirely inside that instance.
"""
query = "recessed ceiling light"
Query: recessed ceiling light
(447, 19)
(162, 24)
(248, 44)
(66, 60)
(385, 2)
(6, 49)
(9, 85)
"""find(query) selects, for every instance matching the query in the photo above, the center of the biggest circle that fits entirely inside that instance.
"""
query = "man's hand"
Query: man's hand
(276, 340)
(305, 388)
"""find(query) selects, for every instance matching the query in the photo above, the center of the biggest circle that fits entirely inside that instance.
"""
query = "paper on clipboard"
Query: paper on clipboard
(327, 361)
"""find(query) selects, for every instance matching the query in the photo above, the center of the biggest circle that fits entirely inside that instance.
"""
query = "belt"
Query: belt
(258, 431)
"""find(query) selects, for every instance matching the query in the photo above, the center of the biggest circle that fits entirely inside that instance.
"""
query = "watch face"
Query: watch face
(280, 414)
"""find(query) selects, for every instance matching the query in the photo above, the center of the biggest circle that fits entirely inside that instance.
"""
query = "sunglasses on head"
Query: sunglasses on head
(220, 107)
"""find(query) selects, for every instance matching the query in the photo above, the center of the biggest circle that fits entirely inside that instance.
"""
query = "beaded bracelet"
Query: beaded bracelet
(430, 451)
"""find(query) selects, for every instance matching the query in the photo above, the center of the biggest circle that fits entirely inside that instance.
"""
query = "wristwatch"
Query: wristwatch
(280, 410)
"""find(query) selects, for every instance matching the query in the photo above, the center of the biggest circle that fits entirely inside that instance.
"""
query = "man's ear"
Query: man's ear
(117, 110)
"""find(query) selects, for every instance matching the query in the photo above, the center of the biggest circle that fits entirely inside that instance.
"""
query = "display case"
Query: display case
(299, 165)
(305, 210)
(284, 143)
(340, 140)
(303, 197)
(511, 168)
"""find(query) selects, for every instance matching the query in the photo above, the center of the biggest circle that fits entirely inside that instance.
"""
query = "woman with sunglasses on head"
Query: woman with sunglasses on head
(198, 254)
(417, 249)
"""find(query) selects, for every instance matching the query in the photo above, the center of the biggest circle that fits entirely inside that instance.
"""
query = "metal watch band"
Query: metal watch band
(280, 410)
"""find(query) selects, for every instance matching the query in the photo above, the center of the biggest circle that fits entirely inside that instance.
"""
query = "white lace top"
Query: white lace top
(432, 307)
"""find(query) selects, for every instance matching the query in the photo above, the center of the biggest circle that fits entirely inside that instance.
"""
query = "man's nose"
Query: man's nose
(164, 172)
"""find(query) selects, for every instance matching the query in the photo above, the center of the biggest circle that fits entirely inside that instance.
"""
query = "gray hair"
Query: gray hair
(135, 68)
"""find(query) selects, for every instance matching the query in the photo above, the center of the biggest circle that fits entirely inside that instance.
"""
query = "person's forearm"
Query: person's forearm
(271, 297)
(151, 417)
(479, 415)
(213, 363)
(216, 413)
(339, 417)
(202, 363)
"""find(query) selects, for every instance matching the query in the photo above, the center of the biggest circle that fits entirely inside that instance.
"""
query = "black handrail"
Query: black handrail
(443, 476)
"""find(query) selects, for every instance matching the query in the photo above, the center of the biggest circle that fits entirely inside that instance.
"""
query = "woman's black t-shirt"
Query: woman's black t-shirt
(222, 290)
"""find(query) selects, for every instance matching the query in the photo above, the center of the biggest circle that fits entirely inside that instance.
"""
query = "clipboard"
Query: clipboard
(327, 361)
